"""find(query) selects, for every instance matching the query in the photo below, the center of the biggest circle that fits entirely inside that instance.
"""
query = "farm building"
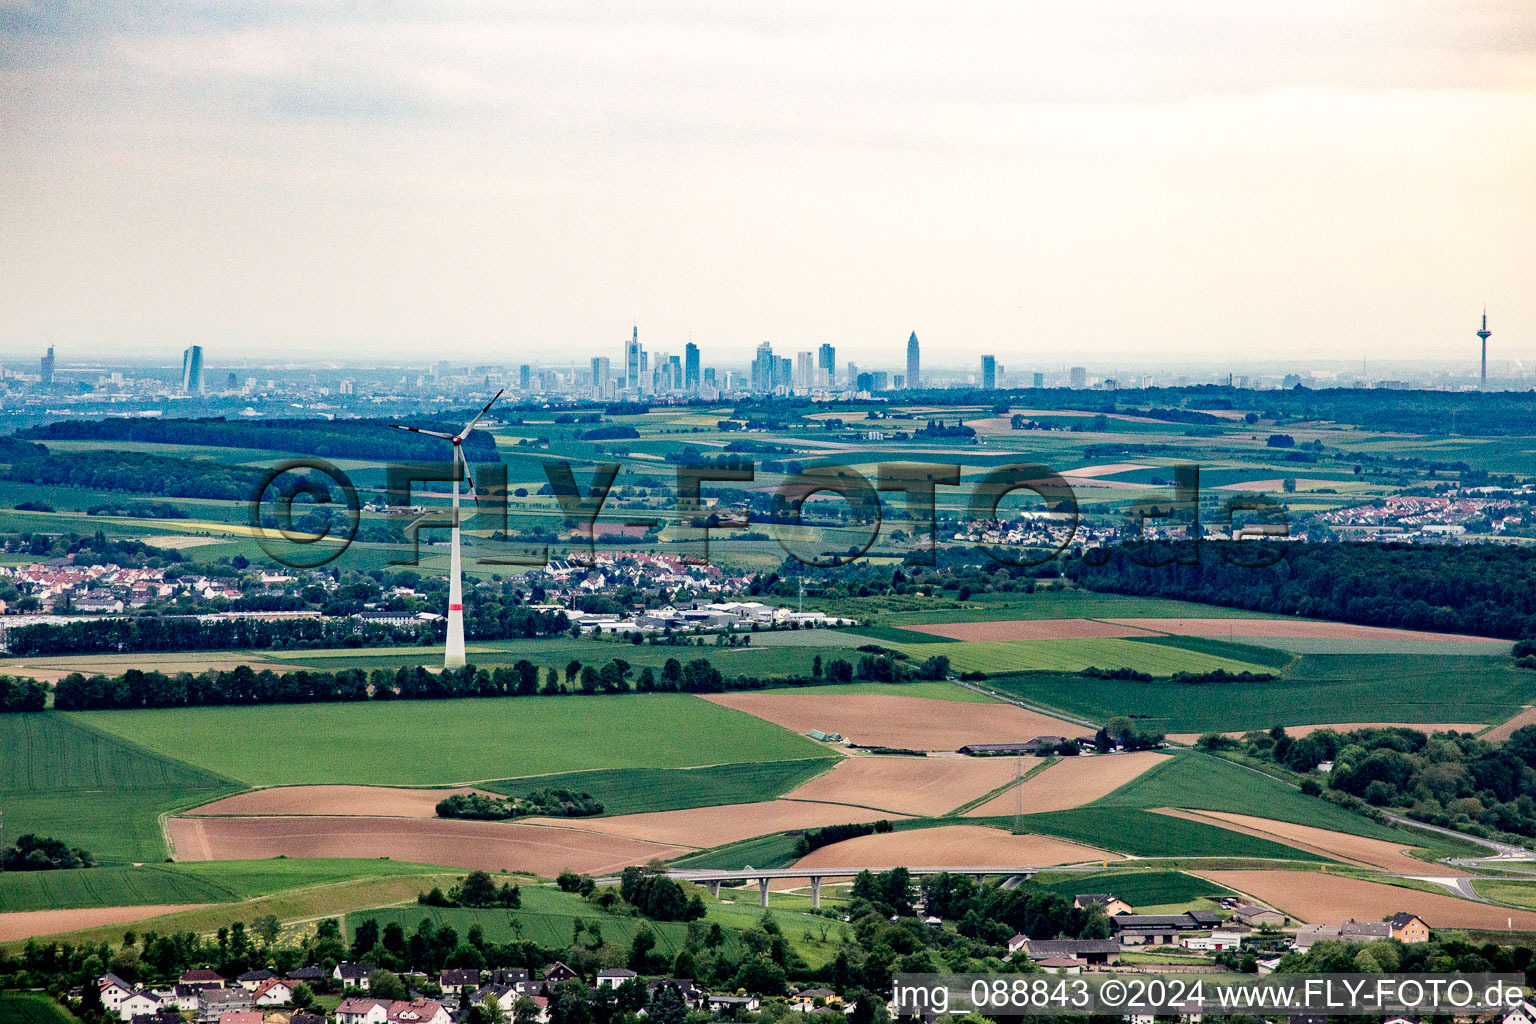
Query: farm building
(1111, 905)
(1092, 951)
(824, 737)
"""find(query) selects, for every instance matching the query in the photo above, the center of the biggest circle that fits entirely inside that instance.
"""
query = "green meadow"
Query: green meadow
(637, 790)
(412, 743)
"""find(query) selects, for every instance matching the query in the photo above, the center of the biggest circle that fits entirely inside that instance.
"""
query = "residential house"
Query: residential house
(1111, 905)
(1309, 935)
(137, 1004)
(354, 975)
(212, 1003)
(306, 1018)
(505, 996)
(1525, 1013)
(161, 1017)
(251, 980)
(273, 992)
(613, 977)
(310, 975)
(180, 997)
(203, 978)
(362, 1010)
(690, 993)
(1225, 936)
(457, 982)
(420, 1012)
(1254, 915)
(732, 1006)
(113, 991)
(1408, 927)
(557, 972)
(517, 978)
(241, 1017)
(810, 1000)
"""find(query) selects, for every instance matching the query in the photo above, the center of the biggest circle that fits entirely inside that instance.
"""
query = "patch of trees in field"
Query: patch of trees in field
(1446, 779)
(816, 838)
(548, 803)
(43, 853)
(477, 889)
(1475, 589)
(332, 439)
(21, 694)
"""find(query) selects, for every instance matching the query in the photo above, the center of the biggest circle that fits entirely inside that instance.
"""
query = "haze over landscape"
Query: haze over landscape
(505, 182)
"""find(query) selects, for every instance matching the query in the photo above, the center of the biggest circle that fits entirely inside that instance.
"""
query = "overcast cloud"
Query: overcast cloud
(510, 182)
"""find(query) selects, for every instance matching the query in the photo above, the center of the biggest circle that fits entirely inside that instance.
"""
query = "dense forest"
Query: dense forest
(1446, 779)
(135, 471)
(1476, 589)
(332, 439)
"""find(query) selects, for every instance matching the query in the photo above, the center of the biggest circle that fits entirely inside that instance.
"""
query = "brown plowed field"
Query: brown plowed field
(1071, 782)
(1376, 853)
(366, 801)
(25, 924)
(954, 845)
(909, 785)
(1501, 732)
(916, 723)
(1298, 731)
(1299, 628)
(702, 827)
(1318, 898)
(490, 845)
(1029, 629)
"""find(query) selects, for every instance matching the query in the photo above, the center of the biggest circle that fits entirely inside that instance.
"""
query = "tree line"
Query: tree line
(1475, 589)
(549, 803)
(244, 685)
(334, 439)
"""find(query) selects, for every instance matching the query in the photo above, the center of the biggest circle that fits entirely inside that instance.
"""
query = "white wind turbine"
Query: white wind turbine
(453, 655)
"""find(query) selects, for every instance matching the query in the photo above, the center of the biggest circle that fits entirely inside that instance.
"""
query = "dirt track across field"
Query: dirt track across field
(1502, 731)
(1296, 732)
(1298, 628)
(915, 723)
(1376, 853)
(1071, 782)
(490, 845)
(959, 845)
(26, 924)
(1318, 898)
(703, 827)
(363, 801)
(908, 785)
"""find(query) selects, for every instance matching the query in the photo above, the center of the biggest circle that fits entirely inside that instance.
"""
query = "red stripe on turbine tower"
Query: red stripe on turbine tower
(455, 607)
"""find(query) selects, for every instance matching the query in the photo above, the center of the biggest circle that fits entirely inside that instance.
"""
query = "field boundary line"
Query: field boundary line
(1042, 765)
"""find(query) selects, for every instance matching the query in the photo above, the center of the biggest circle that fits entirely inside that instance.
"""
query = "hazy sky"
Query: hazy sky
(508, 181)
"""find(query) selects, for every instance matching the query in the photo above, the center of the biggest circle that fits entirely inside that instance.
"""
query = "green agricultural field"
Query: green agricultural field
(1251, 653)
(1002, 656)
(1144, 834)
(32, 1008)
(924, 689)
(205, 882)
(1201, 782)
(92, 789)
(1318, 689)
(1142, 888)
(771, 851)
(636, 790)
(454, 740)
(1069, 604)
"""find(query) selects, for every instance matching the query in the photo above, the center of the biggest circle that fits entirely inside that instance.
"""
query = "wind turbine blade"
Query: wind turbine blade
(419, 430)
(471, 424)
(458, 454)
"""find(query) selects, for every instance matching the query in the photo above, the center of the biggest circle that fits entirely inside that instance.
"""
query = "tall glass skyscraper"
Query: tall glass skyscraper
(913, 370)
(192, 370)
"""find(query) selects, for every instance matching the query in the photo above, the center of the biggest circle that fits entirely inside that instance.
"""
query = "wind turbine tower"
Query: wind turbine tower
(453, 654)
(1484, 334)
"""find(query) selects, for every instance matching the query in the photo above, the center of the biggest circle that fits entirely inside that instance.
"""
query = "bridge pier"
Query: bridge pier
(815, 891)
(714, 889)
(762, 885)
